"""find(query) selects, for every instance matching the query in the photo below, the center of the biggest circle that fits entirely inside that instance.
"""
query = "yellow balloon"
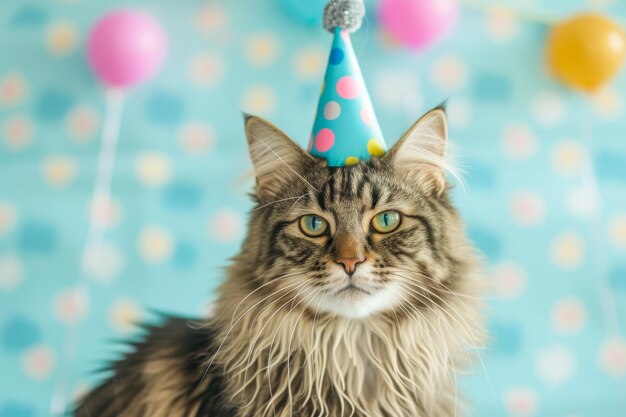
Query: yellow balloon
(586, 51)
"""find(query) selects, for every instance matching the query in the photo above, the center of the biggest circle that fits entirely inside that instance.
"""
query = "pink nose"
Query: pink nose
(349, 264)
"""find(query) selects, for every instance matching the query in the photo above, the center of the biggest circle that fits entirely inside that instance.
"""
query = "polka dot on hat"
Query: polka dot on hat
(325, 140)
(348, 87)
(332, 110)
(336, 56)
(375, 148)
(352, 160)
(367, 117)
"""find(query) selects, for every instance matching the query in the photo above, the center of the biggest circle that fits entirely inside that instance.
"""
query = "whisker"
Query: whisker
(297, 198)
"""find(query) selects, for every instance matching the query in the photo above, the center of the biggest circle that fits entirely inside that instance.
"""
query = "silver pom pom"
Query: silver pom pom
(344, 14)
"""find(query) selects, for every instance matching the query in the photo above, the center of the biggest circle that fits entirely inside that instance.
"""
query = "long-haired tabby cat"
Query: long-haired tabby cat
(356, 293)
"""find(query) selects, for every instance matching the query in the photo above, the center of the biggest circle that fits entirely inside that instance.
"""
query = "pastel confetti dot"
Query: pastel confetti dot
(459, 113)
(125, 315)
(352, 160)
(38, 362)
(394, 89)
(59, 170)
(617, 231)
(348, 87)
(262, 49)
(502, 24)
(103, 262)
(520, 402)
(549, 108)
(367, 116)
(19, 333)
(569, 315)
(308, 63)
(612, 357)
(582, 201)
(528, 208)
(518, 141)
(336, 56)
(449, 73)
(324, 140)
(332, 110)
(206, 70)
(61, 38)
(105, 213)
(70, 306)
(156, 245)
(196, 138)
(509, 280)
(211, 19)
(16, 409)
(82, 124)
(608, 103)
(259, 99)
(555, 365)
(165, 108)
(375, 148)
(18, 132)
(153, 169)
(568, 251)
(13, 89)
(226, 225)
(11, 272)
(568, 158)
(8, 217)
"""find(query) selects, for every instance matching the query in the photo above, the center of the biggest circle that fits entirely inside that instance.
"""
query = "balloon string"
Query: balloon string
(524, 13)
(100, 204)
(590, 184)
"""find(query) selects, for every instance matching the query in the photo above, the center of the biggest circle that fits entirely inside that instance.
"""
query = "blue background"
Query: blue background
(555, 254)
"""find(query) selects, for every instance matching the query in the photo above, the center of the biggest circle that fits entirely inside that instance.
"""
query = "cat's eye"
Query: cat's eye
(386, 222)
(312, 225)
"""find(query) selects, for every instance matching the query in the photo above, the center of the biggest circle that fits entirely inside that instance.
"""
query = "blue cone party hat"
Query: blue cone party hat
(345, 129)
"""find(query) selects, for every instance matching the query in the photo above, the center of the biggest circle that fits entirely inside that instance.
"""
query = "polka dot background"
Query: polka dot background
(551, 242)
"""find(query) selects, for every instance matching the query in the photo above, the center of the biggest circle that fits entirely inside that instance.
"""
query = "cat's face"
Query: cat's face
(352, 241)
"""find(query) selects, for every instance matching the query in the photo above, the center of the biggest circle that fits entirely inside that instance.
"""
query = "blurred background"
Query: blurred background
(531, 149)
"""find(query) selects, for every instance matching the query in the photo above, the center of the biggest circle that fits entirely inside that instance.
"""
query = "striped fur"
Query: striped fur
(285, 341)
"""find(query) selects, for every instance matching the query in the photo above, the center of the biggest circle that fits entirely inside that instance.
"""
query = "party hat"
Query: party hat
(345, 129)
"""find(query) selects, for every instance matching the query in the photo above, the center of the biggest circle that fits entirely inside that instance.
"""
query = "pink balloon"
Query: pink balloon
(418, 23)
(126, 47)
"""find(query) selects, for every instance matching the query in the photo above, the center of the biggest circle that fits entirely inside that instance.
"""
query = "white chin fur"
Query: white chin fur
(357, 305)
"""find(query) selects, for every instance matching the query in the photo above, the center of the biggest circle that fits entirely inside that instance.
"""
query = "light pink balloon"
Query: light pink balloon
(126, 47)
(418, 23)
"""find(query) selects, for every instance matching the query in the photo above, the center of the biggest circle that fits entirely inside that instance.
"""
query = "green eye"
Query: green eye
(386, 222)
(312, 225)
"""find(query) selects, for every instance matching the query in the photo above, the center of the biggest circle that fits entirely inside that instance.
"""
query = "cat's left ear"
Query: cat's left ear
(276, 159)
(421, 152)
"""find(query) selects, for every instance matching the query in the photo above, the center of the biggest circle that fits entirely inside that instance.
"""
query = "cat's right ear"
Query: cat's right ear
(276, 159)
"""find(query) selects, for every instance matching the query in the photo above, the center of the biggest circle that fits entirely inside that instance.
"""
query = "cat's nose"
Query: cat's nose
(349, 264)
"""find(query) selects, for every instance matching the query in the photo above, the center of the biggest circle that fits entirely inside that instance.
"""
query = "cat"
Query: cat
(356, 293)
